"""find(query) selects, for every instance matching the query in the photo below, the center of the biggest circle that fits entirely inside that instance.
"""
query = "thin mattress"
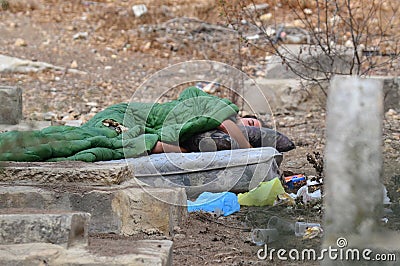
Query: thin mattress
(228, 170)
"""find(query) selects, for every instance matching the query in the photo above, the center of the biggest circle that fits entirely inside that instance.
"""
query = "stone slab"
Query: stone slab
(138, 253)
(308, 61)
(25, 125)
(11, 105)
(37, 226)
(64, 172)
(124, 210)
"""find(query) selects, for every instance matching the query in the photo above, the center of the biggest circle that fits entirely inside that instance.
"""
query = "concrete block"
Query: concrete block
(353, 158)
(11, 105)
(114, 209)
(36, 226)
(64, 172)
(269, 95)
(121, 253)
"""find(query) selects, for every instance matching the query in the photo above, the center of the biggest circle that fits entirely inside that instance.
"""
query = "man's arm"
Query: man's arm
(230, 128)
(162, 147)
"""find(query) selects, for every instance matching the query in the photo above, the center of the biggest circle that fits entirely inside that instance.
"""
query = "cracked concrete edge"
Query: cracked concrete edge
(54, 173)
(145, 252)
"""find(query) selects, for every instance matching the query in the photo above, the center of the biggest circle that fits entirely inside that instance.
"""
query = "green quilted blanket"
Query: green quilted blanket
(121, 131)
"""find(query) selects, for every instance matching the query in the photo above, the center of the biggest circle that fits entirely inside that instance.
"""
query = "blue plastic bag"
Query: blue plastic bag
(223, 202)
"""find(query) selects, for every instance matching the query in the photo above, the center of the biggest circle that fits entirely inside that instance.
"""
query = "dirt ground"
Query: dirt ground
(118, 53)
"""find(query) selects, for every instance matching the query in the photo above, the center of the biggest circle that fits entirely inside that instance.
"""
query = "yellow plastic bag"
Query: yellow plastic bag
(264, 194)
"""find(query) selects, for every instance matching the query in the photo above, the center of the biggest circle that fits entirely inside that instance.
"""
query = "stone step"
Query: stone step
(63, 172)
(104, 253)
(115, 209)
(67, 229)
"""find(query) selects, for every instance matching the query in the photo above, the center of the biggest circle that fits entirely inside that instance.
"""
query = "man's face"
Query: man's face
(250, 122)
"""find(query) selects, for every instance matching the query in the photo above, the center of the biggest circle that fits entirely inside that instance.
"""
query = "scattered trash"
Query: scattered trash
(295, 181)
(283, 226)
(139, 10)
(299, 185)
(224, 203)
(112, 124)
(264, 194)
(284, 199)
(307, 196)
(385, 220)
(275, 227)
(261, 236)
(312, 232)
(300, 228)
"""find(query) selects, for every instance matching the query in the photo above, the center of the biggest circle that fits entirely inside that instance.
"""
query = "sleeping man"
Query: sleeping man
(221, 139)
(135, 129)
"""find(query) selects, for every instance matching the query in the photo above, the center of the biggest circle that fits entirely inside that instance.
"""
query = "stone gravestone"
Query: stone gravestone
(11, 105)
(353, 156)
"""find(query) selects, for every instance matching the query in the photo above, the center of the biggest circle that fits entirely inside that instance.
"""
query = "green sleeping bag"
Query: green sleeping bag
(142, 124)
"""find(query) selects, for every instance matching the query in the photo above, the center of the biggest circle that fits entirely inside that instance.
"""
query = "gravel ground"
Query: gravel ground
(118, 52)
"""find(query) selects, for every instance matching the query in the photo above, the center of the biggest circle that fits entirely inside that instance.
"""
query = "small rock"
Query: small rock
(107, 67)
(178, 230)
(71, 28)
(139, 10)
(73, 123)
(179, 236)
(81, 35)
(349, 43)
(92, 104)
(20, 42)
(266, 17)
(74, 64)
(147, 46)
(270, 31)
(307, 11)
(259, 7)
(391, 112)
(49, 116)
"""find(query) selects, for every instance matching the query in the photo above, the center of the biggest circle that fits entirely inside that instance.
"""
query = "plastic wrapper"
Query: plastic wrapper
(224, 203)
(264, 194)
